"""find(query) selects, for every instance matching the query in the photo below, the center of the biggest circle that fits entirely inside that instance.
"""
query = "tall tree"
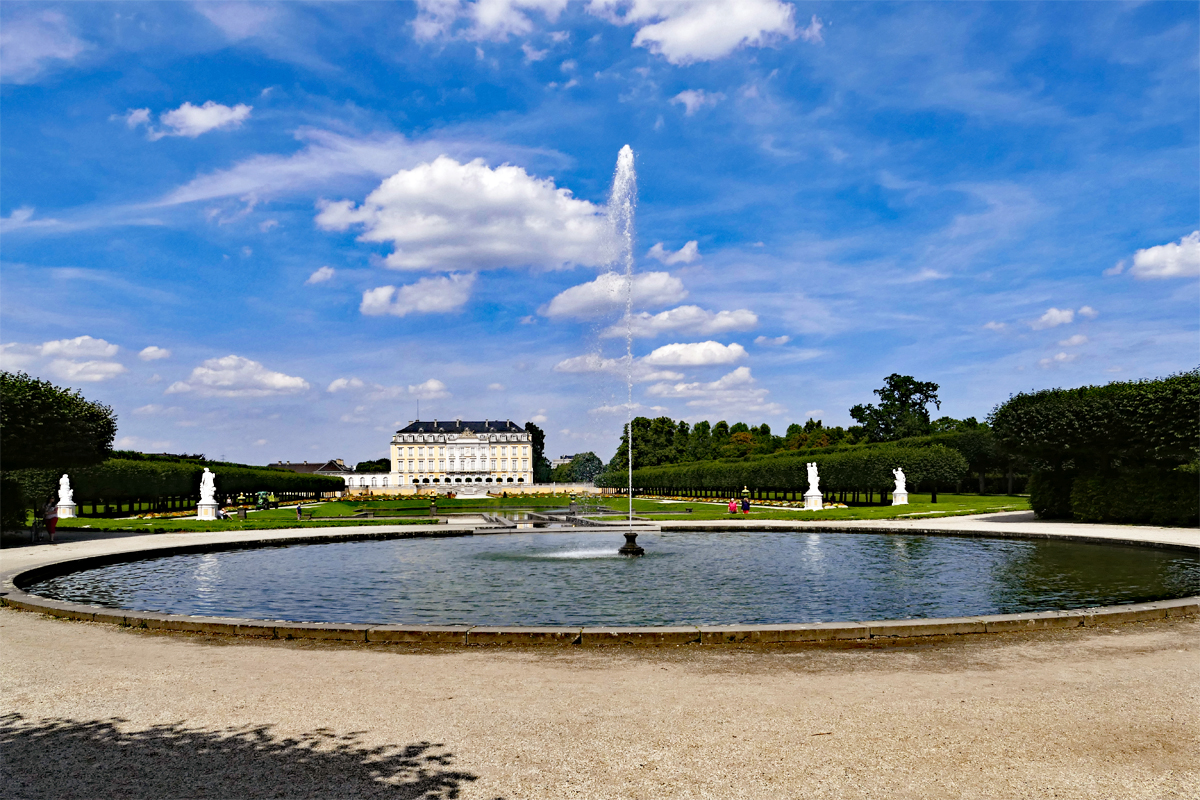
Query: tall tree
(585, 467)
(902, 409)
(43, 426)
(700, 442)
(541, 465)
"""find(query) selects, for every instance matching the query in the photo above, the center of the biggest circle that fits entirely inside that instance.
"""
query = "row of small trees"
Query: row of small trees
(862, 469)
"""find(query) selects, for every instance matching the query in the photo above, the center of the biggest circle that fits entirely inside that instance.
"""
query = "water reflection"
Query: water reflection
(699, 578)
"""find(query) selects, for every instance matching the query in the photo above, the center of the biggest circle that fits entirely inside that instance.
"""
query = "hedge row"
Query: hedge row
(861, 469)
(121, 480)
(1123, 452)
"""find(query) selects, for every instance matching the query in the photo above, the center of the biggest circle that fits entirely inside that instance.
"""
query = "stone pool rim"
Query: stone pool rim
(12, 594)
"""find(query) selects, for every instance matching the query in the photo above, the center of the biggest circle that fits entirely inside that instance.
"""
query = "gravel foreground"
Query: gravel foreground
(92, 711)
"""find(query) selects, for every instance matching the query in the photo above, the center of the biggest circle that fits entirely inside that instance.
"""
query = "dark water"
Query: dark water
(578, 579)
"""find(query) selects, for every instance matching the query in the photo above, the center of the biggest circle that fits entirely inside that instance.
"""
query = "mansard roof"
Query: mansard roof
(463, 426)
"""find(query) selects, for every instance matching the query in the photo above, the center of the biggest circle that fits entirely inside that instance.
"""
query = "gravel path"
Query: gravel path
(93, 711)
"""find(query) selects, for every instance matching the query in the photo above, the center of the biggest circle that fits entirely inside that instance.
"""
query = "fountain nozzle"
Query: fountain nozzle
(631, 547)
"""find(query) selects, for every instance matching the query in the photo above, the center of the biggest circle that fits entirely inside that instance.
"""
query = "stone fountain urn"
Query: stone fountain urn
(631, 547)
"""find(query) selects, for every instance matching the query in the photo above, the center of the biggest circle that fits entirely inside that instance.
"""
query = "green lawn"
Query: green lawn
(253, 522)
(919, 507)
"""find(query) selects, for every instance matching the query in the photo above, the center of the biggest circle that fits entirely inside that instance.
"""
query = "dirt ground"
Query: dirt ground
(92, 711)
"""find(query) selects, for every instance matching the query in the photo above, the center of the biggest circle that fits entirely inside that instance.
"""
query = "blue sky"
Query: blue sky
(267, 231)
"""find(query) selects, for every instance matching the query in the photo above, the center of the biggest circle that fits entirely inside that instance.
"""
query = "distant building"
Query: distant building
(558, 462)
(461, 451)
(334, 466)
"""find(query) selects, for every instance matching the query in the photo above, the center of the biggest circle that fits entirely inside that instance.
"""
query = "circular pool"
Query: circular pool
(575, 578)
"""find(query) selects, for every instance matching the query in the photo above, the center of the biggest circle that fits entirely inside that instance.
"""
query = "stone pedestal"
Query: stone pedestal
(899, 498)
(66, 510)
(813, 501)
(631, 547)
(207, 511)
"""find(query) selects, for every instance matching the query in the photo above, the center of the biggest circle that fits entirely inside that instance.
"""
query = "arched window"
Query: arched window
(520, 480)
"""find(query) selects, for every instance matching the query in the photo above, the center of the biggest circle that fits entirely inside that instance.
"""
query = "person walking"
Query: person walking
(50, 516)
(732, 505)
(746, 506)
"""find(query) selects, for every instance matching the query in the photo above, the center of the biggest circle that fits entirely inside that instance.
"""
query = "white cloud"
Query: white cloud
(812, 33)
(736, 390)
(1172, 260)
(608, 292)
(341, 384)
(1087, 312)
(625, 408)
(22, 217)
(1061, 358)
(994, 326)
(488, 19)
(693, 100)
(1116, 269)
(449, 215)
(15, 356)
(86, 371)
(593, 363)
(320, 276)
(432, 389)
(154, 409)
(686, 31)
(260, 442)
(696, 354)
(1053, 318)
(538, 419)
(764, 341)
(192, 121)
(154, 353)
(238, 20)
(235, 376)
(428, 295)
(495, 387)
(28, 44)
(684, 255)
(532, 54)
(135, 117)
(1074, 341)
(78, 347)
(690, 319)
(141, 444)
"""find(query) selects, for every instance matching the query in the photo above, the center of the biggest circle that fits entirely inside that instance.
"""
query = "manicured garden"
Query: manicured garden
(919, 507)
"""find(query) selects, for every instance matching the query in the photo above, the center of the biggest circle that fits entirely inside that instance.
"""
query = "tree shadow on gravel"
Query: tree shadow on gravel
(58, 758)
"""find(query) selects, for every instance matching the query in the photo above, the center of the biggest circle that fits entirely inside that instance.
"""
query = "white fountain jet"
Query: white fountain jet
(622, 202)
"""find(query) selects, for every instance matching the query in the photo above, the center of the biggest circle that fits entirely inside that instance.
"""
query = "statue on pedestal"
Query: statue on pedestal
(813, 479)
(66, 495)
(208, 487)
(899, 475)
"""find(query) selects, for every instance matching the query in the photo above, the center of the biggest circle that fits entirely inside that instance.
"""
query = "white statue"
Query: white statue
(899, 474)
(66, 495)
(813, 478)
(208, 487)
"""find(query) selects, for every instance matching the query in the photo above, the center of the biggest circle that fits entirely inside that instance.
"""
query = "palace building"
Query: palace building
(458, 451)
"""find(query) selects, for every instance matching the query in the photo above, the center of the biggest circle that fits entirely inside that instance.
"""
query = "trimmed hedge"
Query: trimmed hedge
(863, 468)
(1123, 452)
(124, 480)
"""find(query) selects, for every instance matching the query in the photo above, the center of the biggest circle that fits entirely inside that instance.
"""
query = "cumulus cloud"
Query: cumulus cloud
(1073, 341)
(1087, 312)
(78, 347)
(1172, 260)
(682, 31)
(427, 296)
(189, 120)
(1053, 318)
(15, 356)
(450, 215)
(28, 44)
(486, 19)
(684, 255)
(777, 341)
(696, 354)
(432, 389)
(693, 100)
(608, 292)
(687, 31)
(812, 32)
(320, 276)
(736, 390)
(592, 363)
(689, 319)
(1060, 358)
(86, 371)
(154, 353)
(341, 384)
(235, 376)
